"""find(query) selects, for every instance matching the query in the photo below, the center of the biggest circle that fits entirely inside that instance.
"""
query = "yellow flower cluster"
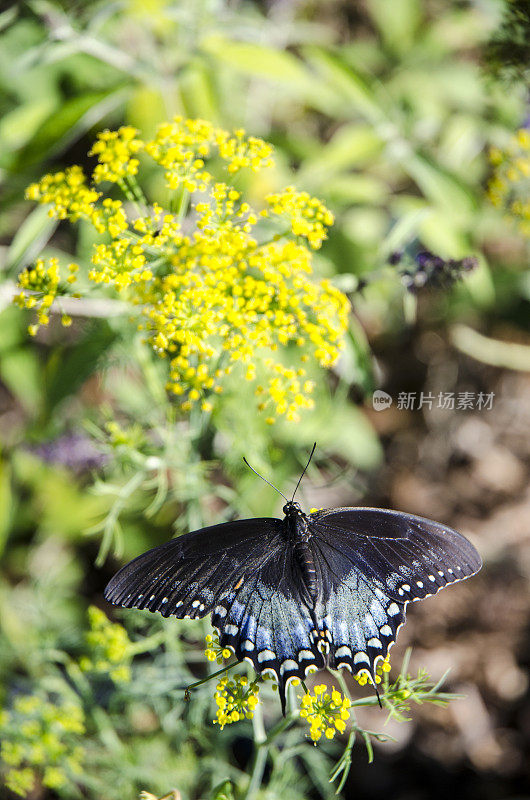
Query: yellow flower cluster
(307, 216)
(326, 712)
(38, 744)
(109, 647)
(363, 677)
(214, 651)
(115, 151)
(509, 187)
(68, 193)
(236, 699)
(182, 146)
(217, 293)
(39, 286)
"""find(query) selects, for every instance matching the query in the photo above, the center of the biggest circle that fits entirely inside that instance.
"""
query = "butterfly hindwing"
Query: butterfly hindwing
(266, 621)
(187, 576)
(360, 619)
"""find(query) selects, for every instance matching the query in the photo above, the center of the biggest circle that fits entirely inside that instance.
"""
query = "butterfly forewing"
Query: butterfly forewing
(187, 576)
(410, 556)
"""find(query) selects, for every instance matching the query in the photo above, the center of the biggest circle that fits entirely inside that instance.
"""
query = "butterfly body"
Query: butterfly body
(297, 594)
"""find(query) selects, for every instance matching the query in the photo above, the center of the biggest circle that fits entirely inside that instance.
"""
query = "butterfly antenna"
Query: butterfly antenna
(265, 479)
(304, 472)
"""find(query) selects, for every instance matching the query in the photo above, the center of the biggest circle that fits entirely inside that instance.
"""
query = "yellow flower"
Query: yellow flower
(221, 297)
(115, 151)
(363, 677)
(308, 217)
(38, 743)
(326, 712)
(109, 647)
(67, 192)
(214, 651)
(236, 699)
(39, 287)
(509, 185)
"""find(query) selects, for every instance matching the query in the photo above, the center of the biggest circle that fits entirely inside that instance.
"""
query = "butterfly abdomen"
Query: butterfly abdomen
(306, 565)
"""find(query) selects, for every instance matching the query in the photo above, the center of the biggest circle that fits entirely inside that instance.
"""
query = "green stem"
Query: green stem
(282, 725)
(137, 189)
(150, 643)
(182, 206)
(260, 755)
(129, 195)
(213, 675)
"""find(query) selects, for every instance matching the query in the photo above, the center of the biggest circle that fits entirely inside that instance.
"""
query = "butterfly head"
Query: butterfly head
(292, 508)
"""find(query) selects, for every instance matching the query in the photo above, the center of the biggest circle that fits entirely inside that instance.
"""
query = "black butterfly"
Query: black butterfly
(325, 588)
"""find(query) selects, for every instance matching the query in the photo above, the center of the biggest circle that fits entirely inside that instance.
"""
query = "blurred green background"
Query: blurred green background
(386, 110)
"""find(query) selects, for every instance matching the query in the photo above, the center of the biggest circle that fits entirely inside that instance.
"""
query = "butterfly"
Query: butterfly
(328, 588)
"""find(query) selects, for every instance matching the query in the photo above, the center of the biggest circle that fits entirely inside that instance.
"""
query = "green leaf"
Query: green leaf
(353, 144)
(6, 503)
(68, 369)
(197, 92)
(20, 371)
(74, 118)
(353, 89)
(257, 59)
(397, 22)
(223, 791)
(355, 188)
(30, 238)
(12, 328)
(20, 124)
(7, 17)
(440, 185)
(277, 66)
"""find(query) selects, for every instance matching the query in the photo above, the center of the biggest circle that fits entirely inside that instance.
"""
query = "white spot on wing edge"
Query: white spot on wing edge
(361, 657)
(393, 610)
(306, 655)
(266, 655)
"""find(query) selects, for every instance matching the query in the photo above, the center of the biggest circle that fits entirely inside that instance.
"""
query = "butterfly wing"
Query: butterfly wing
(245, 573)
(187, 576)
(266, 621)
(372, 562)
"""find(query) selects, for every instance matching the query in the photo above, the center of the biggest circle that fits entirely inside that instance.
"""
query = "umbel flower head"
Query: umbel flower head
(214, 651)
(219, 286)
(40, 744)
(109, 648)
(236, 699)
(325, 711)
(509, 187)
